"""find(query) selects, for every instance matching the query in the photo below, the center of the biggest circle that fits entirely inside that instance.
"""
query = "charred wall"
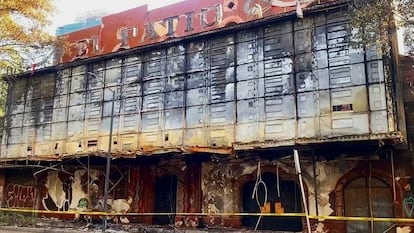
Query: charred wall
(286, 82)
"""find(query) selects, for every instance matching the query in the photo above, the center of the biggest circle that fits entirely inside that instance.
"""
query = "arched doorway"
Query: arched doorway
(366, 196)
(165, 199)
(289, 201)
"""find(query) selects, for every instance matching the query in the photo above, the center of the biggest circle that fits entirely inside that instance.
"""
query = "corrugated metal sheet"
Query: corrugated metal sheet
(294, 81)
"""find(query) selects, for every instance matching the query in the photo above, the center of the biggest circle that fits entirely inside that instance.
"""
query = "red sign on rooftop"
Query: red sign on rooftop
(138, 26)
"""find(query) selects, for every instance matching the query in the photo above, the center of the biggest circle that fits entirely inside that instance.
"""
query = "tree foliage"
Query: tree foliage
(375, 21)
(23, 36)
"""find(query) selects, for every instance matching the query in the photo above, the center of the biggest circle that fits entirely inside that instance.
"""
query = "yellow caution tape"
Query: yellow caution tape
(318, 217)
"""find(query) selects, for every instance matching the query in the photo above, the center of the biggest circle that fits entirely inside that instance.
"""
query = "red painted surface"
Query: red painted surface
(192, 194)
(138, 26)
(20, 196)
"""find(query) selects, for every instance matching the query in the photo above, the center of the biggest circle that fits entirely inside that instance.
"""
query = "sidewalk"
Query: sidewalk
(59, 226)
(118, 229)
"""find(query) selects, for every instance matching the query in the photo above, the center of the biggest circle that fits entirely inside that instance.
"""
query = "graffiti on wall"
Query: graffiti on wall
(408, 204)
(71, 193)
(20, 196)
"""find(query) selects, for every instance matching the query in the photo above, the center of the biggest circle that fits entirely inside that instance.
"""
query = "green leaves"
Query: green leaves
(375, 21)
(22, 31)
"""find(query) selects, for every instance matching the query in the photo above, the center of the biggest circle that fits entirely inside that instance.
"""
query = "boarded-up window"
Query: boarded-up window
(359, 204)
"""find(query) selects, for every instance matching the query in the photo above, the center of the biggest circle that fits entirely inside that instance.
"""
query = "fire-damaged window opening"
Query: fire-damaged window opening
(342, 107)
(358, 203)
(281, 198)
(165, 199)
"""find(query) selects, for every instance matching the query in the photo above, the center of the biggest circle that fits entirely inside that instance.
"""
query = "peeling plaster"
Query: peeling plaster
(327, 175)
(77, 192)
(55, 190)
(320, 228)
(249, 169)
(217, 188)
(218, 181)
(405, 229)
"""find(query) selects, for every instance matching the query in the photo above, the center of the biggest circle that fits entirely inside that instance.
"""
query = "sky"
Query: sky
(68, 10)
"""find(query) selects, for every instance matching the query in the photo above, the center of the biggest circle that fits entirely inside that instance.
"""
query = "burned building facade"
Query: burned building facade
(202, 105)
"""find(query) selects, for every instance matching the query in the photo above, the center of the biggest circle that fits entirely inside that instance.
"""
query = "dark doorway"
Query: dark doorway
(165, 199)
(289, 201)
(358, 204)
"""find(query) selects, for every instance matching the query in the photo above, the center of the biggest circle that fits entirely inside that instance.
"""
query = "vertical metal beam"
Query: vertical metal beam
(108, 162)
(108, 155)
(302, 189)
